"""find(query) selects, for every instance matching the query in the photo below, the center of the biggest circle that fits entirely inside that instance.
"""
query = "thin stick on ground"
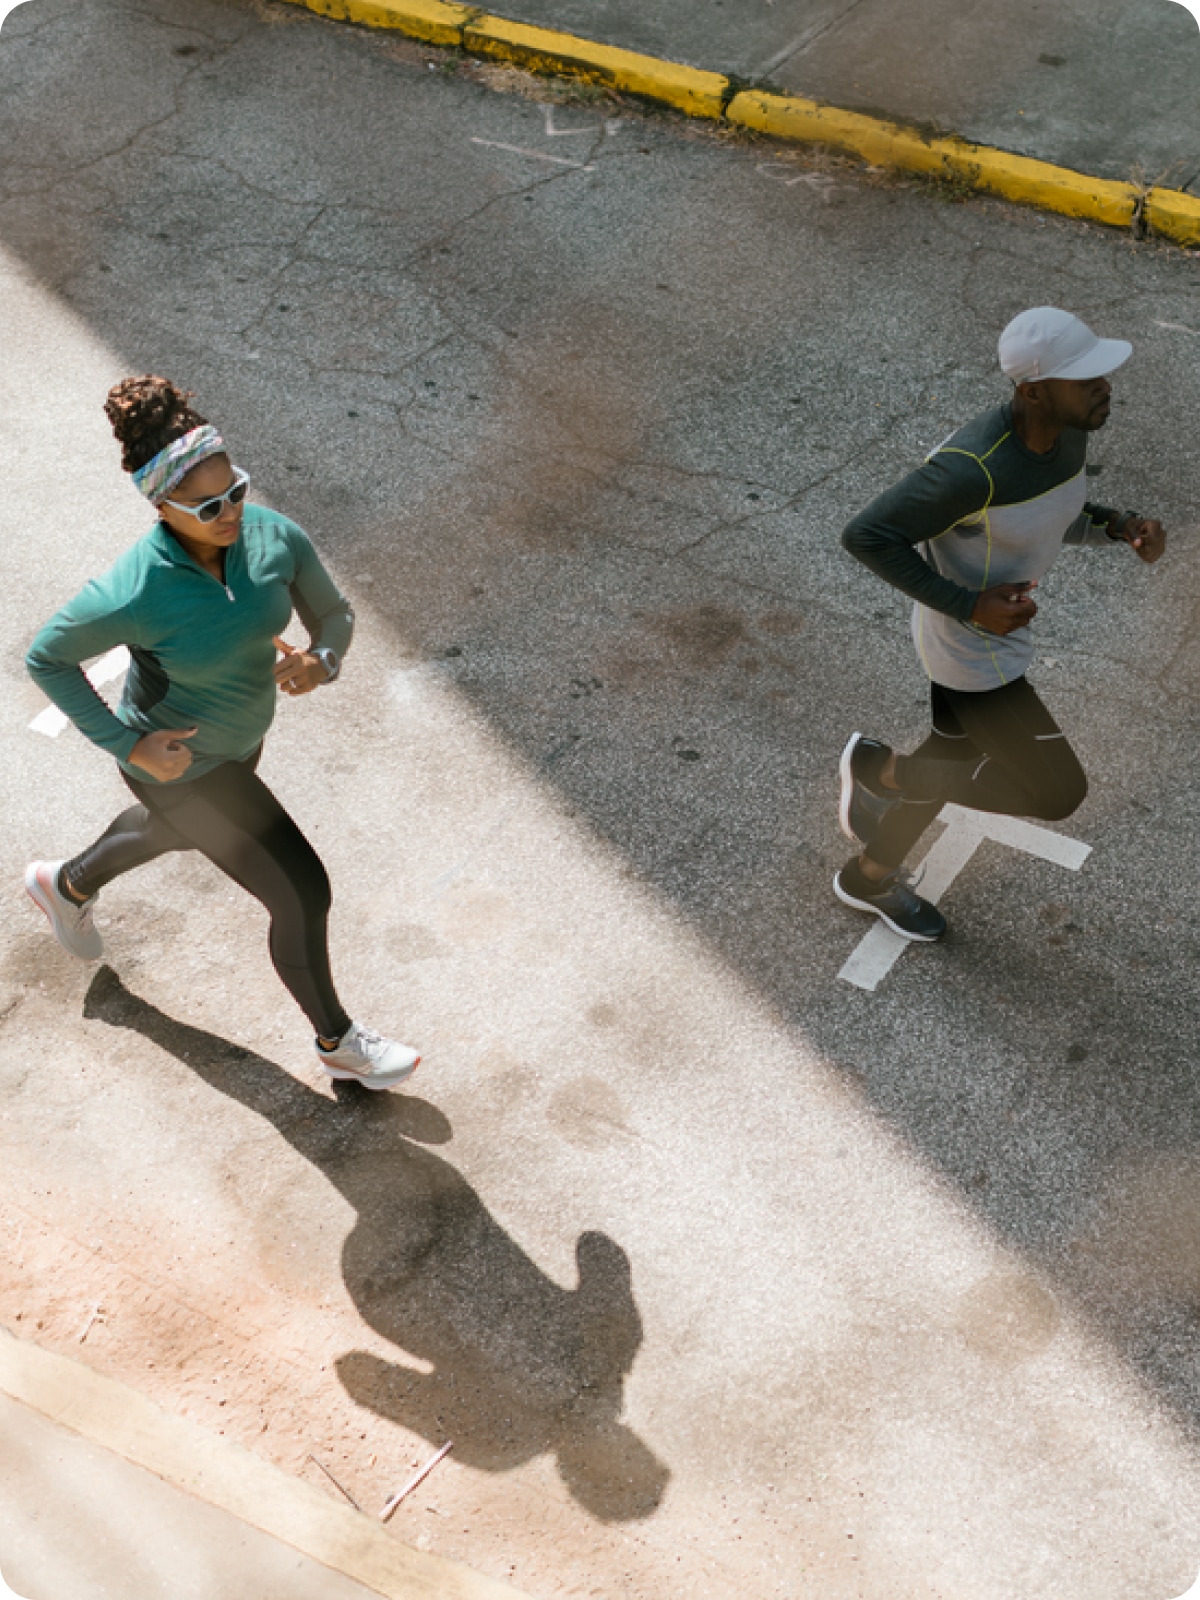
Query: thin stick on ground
(96, 1316)
(415, 1481)
(334, 1481)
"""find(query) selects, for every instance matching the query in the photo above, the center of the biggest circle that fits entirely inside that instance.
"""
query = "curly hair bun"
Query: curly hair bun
(148, 414)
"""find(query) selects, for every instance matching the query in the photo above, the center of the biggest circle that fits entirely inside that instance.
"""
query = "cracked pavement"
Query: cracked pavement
(727, 1279)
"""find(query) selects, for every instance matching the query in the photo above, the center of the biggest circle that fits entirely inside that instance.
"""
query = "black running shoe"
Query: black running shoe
(892, 901)
(865, 802)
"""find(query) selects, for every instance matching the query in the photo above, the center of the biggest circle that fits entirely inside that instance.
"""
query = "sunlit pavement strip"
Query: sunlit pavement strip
(52, 721)
(966, 830)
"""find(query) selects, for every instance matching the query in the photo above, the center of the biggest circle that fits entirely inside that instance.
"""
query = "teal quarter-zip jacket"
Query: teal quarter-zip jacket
(202, 651)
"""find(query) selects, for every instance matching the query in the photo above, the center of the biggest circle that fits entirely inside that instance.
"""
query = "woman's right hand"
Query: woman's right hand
(162, 755)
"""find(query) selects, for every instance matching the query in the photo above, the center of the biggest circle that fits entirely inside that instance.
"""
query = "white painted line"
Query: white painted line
(950, 854)
(880, 949)
(534, 155)
(223, 1474)
(822, 182)
(52, 721)
(1027, 837)
(874, 957)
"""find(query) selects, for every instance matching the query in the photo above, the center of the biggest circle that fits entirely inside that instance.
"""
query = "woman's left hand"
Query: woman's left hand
(297, 671)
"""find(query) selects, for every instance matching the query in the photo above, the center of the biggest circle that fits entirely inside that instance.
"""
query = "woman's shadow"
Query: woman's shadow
(520, 1365)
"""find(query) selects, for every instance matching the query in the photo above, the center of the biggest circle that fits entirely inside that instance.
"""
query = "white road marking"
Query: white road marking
(878, 952)
(534, 155)
(822, 182)
(52, 721)
(1178, 327)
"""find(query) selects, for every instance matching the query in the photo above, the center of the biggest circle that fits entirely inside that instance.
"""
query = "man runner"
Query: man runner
(967, 536)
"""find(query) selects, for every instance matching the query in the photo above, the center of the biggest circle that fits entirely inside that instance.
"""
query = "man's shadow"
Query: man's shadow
(520, 1365)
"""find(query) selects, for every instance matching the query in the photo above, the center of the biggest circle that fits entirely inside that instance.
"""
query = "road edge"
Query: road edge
(1167, 213)
(224, 1474)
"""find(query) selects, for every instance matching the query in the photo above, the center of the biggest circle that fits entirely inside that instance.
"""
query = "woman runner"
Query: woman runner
(200, 602)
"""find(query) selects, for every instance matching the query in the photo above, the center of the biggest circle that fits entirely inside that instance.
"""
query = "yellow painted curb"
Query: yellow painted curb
(222, 1474)
(700, 94)
(1174, 214)
(888, 144)
(1168, 212)
(434, 21)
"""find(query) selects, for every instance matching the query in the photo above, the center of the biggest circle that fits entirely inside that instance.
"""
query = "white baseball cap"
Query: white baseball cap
(1048, 343)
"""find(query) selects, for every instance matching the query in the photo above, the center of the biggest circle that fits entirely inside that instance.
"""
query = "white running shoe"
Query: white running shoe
(366, 1057)
(70, 920)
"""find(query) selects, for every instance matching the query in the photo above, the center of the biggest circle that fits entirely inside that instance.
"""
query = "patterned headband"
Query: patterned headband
(170, 466)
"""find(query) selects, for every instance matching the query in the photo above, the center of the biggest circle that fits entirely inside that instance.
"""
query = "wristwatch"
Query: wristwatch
(1124, 518)
(328, 659)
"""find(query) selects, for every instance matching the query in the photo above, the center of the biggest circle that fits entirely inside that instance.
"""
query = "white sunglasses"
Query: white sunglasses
(210, 510)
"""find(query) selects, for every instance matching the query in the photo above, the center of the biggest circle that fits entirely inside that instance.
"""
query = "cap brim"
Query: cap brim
(1105, 356)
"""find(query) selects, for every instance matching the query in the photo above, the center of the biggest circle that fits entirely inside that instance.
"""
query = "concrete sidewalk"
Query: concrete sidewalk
(105, 1496)
(1109, 87)
(79, 1523)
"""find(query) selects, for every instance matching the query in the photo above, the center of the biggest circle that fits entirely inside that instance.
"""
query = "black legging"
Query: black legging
(996, 750)
(231, 816)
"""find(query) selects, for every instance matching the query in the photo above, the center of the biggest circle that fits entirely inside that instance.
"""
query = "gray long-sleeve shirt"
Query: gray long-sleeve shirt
(981, 510)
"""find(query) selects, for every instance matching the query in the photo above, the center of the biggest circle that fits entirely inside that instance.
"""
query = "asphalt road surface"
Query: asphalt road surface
(726, 1277)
